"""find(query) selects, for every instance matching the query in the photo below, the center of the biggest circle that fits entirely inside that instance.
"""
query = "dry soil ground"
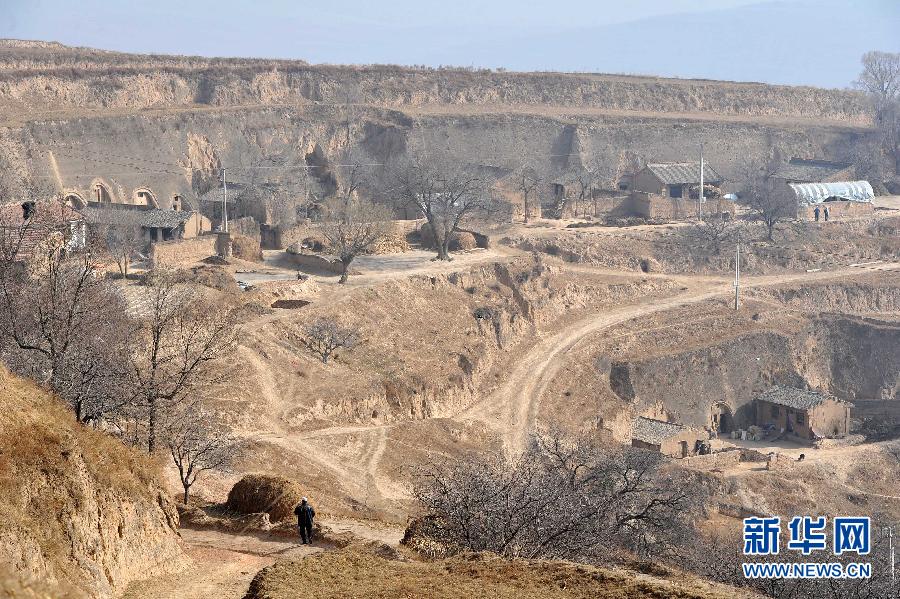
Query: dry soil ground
(363, 459)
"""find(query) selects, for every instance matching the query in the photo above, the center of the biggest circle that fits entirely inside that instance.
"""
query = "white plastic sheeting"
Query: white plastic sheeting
(816, 193)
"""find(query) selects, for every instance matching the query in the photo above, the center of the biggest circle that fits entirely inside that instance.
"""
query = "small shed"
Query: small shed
(674, 179)
(806, 414)
(842, 198)
(668, 438)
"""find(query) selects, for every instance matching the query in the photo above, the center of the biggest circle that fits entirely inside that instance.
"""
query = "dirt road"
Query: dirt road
(219, 565)
(511, 410)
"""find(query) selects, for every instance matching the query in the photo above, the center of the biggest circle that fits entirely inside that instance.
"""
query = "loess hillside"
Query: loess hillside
(70, 118)
(80, 514)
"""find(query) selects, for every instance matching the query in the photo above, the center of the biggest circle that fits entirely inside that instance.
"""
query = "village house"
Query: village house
(29, 227)
(804, 170)
(675, 179)
(155, 224)
(671, 191)
(809, 415)
(668, 438)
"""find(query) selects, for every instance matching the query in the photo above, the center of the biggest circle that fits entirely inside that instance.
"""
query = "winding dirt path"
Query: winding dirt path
(219, 565)
(512, 409)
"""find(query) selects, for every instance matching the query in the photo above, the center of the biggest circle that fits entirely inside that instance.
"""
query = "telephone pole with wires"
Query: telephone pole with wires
(737, 276)
(700, 195)
(224, 202)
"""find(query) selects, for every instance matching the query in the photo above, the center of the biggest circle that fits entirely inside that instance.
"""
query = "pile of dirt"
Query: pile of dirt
(460, 240)
(246, 248)
(276, 496)
(379, 571)
(214, 277)
(78, 510)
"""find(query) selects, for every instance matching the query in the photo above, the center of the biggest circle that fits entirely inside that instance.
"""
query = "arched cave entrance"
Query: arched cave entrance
(101, 194)
(145, 197)
(721, 418)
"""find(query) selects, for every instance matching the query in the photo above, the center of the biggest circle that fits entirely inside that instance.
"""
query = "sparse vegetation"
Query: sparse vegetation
(445, 193)
(198, 442)
(324, 336)
(352, 226)
(562, 499)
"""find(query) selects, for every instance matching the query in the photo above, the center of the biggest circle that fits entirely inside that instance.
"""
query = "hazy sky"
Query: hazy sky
(816, 42)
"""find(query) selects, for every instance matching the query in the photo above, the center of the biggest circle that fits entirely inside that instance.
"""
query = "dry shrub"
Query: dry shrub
(246, 248)
(258, 493)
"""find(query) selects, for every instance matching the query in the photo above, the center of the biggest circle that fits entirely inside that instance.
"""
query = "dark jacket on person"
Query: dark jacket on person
(305, 514)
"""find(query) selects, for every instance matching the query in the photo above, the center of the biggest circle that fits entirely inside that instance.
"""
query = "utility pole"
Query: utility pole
(224, 203)
(700, 195)
(890, 530)
(737, 276)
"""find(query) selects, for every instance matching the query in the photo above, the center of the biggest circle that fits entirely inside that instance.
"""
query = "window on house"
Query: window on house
(774, 411)
(675, 191)
(800, 418)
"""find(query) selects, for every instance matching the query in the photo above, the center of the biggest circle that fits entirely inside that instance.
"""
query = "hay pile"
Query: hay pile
(392, 242)
(246, 248)
(460, 240)
(258, 493)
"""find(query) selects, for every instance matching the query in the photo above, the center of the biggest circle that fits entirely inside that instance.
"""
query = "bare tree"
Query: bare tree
(712, 234)
(562, 499)
(351, 174)
(444, 192)
(179, 341)
(198, 442)
(61, 323)
(324, 336)
(124, 240)
(527, 182)
(880, 76)
(352, 226)
(765, 204)
(880, 79)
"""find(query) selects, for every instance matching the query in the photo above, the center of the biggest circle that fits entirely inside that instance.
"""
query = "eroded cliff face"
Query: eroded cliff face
(181, 152)
(70, 118)
(78, 510)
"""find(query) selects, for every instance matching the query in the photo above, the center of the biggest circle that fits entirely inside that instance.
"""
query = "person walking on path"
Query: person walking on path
(305, 514)
(816, 213)
(827, 213)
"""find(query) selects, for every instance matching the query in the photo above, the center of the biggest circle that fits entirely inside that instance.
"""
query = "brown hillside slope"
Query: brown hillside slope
(78, 510)
(362, 572)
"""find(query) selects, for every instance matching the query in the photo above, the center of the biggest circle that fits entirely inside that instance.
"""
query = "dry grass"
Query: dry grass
(258, 493)
(376, 572)
(50, 466)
